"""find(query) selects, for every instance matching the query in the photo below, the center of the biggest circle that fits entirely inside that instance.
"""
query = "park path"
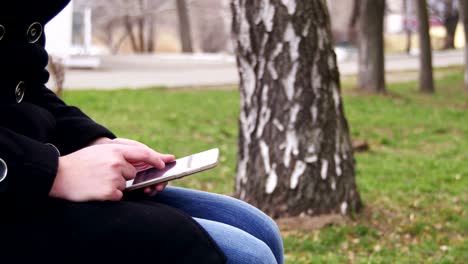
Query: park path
(178, 70)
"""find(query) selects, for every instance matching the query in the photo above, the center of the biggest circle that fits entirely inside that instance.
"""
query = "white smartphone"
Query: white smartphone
(179, 168)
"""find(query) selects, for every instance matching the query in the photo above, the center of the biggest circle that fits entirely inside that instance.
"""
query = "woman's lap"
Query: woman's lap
(227, 210)
(240, 230)
(127, 231)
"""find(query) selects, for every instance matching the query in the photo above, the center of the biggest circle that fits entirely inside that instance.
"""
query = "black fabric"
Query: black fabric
(111, 232)
(36, 228)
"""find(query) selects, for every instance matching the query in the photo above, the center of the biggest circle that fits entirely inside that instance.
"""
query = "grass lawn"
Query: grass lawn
(413, 181)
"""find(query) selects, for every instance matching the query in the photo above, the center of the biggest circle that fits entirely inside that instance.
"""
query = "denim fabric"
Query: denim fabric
(244, 233)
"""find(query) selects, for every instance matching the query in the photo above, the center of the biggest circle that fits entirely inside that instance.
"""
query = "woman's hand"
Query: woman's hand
(100, 172)
(151, 190)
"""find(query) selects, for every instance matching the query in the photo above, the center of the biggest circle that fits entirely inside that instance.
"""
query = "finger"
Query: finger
(163, 184)
(147, 190)
(121, 183)
(116, 195)
(128, 171)
(167, 157)
(140, 154)
(160, 187)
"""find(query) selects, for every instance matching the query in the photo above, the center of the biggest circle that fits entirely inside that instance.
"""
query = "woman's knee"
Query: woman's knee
(238, 245)
(254, 251)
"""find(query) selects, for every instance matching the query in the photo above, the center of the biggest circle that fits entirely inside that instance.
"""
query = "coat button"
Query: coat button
(53, 146)
(34, 32)
(19, 91)
(3, 170)
(2, 32)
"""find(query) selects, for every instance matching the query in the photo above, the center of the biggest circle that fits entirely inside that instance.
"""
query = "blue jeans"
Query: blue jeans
(244, 233)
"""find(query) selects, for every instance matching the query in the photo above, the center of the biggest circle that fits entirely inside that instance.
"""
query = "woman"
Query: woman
(62, 176)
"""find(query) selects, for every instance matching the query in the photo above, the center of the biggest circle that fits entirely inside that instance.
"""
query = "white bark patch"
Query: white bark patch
(265, 152)
(272, 70)
(314, 113)
(266, 15)
(242, 194)
(278, 125)
(292, 146)
(324, 170)
(261, 60)
(333, 185)
(331, 62)
(261, 67)
(336, 96)
(316, 81)
(294, 112)
(271, 61)
(244, 34)
(288, 82)
(305, 31)
(248, 123)
(272, 180)
(338, 165)
(344, 208)
(299, 169)
(247, 126)
(294, 40)
(292, 142)
(290, 5)
(322, 38)
(311, 159)
(311, 149)
(265, 112)
(248, 79)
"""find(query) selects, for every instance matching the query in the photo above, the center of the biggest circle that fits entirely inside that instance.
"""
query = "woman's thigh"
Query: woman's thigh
(227, 210)
(238, 246)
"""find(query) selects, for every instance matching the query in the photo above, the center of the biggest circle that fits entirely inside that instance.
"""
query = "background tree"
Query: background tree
(426, 81)
(185, 31)
(211, 26)
(406, 11)
(447, 11)
(295, 154)
(371, 75)
(118, 20)
(463, 6)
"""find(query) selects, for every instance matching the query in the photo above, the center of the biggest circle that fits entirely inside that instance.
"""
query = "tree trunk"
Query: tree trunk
(129, 29)
(141, 33)
(371, 46)
(463, 5)
(184, 26)
(426, 82)
(151, 34)
(407, 28)
(295, 155)
(450, 23)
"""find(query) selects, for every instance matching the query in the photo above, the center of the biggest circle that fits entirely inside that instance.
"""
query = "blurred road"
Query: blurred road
(142, 71)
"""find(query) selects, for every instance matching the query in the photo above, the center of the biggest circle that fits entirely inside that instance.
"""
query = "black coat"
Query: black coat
(36, 128)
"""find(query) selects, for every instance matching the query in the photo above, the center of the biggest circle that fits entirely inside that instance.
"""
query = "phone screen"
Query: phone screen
(154, 173)
(177, 169)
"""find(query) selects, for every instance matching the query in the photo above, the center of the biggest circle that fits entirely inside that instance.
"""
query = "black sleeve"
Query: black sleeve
(74, 129)
(31, 165)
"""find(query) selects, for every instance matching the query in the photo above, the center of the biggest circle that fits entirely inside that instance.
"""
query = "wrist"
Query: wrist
(98, 141)
(60, 171)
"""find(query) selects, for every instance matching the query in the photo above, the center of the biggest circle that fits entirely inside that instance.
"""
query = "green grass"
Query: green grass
(413, 181)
